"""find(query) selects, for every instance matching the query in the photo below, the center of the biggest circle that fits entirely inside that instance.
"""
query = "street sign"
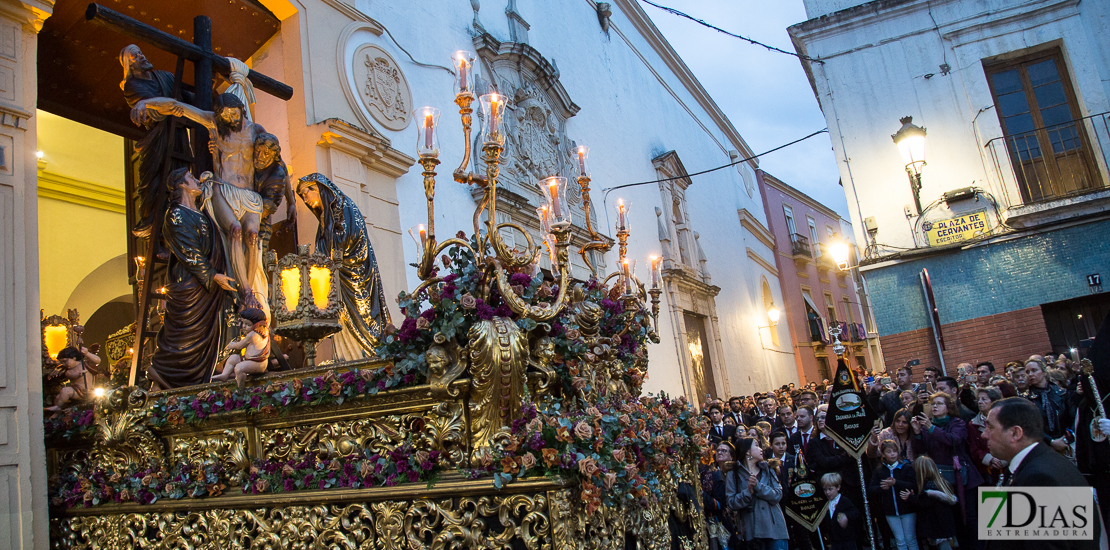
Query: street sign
(957, 229)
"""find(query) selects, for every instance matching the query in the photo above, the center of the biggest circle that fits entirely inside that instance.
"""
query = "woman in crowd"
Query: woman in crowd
(898, 433)
(894, 477)
(753, 489)
(989, 466)
(944, 439)
(719, 518)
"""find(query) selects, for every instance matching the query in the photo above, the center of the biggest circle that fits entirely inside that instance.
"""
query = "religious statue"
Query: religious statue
(271, 182)
(71, 364)
(141, 81)
(343, 230)
(229, 195)
(190, 340)
(252, 351)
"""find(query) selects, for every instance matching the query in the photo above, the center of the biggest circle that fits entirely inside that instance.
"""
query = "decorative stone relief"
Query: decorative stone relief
(381, 86)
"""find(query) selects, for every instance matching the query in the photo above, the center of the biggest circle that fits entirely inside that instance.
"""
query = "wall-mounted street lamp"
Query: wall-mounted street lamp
(841, 254)
(773, 314)
(910, 140)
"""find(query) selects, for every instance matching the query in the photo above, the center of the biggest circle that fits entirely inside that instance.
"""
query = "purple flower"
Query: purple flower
(450, 277)
(520, 279)
(483, 311)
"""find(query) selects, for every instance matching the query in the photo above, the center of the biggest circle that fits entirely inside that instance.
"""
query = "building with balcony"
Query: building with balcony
(816, 293)
(984, 227)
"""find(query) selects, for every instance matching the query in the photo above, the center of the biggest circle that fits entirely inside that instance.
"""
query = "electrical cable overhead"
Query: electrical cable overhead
(783, 146)
(720, 30)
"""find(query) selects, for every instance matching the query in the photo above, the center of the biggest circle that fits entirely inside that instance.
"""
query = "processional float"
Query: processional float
(506, 411)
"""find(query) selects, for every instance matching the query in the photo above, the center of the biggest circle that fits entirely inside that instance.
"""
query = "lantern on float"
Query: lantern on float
(304, 298)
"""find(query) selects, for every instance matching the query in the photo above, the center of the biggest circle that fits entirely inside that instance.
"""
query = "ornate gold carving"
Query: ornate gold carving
(122, 438)
(444, 367)
(445, 430)
(498, 351)
(334, 439)
(227, 446)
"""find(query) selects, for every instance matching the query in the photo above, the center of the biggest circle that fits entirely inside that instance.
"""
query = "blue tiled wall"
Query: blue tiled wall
(986, 280)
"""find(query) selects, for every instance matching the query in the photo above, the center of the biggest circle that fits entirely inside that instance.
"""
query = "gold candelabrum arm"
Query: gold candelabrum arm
(424, 268)
(548, 311)
(597, 241)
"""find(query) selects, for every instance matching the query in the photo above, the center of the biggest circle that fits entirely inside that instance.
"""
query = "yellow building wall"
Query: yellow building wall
(80, 208)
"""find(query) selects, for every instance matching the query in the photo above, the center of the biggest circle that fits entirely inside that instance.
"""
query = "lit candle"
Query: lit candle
(626, 275)
(428, 123)
(494, 107)
(463, 69)
(654, 271)
(542, 211)
(582, 162)
(556, 209)
(622, 221)
(423, 235)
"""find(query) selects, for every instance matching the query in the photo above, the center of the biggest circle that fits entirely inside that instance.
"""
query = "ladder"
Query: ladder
(148, 295)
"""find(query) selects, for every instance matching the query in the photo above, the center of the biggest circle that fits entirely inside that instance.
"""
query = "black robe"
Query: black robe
(343, 228)
(191, 337)
(151, 149)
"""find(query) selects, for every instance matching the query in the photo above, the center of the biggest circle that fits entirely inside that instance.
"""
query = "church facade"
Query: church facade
(590, 74)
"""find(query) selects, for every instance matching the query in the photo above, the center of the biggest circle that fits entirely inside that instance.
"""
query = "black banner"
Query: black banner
(850, 418)
(805, 501)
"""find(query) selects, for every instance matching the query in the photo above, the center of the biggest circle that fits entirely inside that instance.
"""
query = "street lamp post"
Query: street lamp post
(910, 140)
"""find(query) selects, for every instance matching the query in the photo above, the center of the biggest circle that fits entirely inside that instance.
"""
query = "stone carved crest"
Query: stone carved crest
(382, 87)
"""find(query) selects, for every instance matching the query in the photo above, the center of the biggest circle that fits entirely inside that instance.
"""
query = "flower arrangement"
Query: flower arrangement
(144, 485)
(72, 423)
(618, 449)
(327, 389)
(367, 469)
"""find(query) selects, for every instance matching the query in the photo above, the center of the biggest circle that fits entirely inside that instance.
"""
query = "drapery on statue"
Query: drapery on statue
(343, 229)
(229, 196)
(191, 336)
(141, 81)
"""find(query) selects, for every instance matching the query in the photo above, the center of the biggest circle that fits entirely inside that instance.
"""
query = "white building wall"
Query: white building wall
(633, 108)
(884, 62)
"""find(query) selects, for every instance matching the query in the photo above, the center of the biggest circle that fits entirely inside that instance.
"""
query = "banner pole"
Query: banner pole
(866, 506)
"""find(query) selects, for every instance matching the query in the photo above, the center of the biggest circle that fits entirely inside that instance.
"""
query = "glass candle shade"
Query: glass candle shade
(427, 135)
(319, 281)
(549, 240)
(291, 287)
(578, 156)
(555, 191)
(628, 272)
(493, 118)
(656, 275)
(544, 214)
(419, 235)
(464, 72)
(621, 206)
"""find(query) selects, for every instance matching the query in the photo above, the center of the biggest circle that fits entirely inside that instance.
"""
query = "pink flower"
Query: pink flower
(587, 467)
(287, 470)
(261, 485)
(610, 478)
(334, 465)
(583, 430)
(468, 301)
(573, 334)
(528, 461)
(624, 420)
(422, 323)
(618, 455)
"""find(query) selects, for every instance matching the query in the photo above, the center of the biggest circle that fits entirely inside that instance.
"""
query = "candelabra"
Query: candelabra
(554, 213)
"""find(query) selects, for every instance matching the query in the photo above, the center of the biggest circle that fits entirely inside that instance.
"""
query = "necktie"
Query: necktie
(805, 441)
(720, 431)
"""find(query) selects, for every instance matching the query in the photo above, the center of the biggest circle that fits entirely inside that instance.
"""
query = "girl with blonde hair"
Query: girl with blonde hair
(936, 504)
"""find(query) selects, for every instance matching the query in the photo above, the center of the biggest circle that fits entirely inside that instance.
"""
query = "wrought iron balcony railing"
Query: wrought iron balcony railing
(799, 245)
(1053, 162)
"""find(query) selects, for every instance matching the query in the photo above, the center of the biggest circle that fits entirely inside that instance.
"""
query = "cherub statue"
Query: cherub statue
(255, 346)
(74, 387)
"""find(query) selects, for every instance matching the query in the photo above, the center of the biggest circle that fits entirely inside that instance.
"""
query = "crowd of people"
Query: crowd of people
(1031, 423)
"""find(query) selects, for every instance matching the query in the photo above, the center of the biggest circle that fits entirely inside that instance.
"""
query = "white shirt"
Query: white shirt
(832, 506)
(1016, 461)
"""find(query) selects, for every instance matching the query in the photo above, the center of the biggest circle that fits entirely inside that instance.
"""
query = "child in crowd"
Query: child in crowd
(840, 526)
(892, 485)
(936, 504)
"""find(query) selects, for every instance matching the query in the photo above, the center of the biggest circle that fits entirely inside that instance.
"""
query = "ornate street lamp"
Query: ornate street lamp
(910, 140)
(304, 299)
(841, 254)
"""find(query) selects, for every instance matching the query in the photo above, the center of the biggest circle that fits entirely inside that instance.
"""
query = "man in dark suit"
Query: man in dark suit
(803, 421)
(1014, 431)
(718, 430)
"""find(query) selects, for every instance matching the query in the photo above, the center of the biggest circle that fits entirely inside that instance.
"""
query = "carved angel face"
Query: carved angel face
(545, 348)
(437, 360)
